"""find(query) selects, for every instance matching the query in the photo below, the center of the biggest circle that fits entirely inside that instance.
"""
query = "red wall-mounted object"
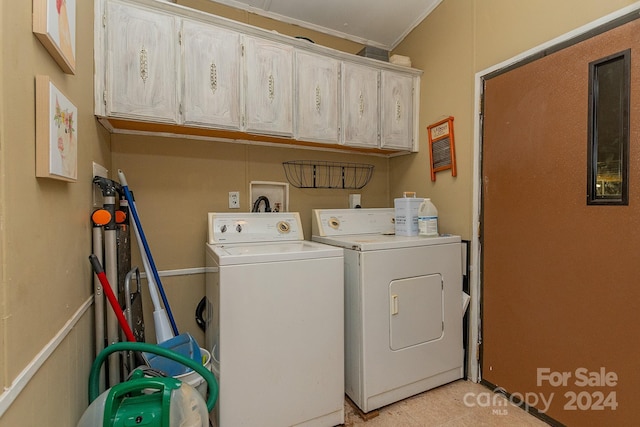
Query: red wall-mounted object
(442, 147)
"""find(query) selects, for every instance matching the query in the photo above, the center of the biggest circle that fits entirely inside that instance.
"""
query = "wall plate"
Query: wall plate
(276, 192)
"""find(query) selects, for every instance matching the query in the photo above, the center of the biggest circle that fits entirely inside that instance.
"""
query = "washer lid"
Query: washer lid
(374, 242)
(252, 253)
(254, 227)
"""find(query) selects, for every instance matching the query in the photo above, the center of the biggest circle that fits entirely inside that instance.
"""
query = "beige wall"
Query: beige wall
(46, 232)
(443, 48)
(505, 28)
(457, 40)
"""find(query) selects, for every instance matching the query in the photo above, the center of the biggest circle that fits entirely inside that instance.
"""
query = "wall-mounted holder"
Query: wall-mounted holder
(442, 147)
(276, 193)
(319, 174)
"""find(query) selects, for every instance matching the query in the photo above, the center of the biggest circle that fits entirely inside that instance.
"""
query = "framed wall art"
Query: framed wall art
(442, 147)
(54, 24)
(56, 133)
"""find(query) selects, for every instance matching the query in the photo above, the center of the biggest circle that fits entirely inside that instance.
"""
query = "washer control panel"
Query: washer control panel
(254, 227)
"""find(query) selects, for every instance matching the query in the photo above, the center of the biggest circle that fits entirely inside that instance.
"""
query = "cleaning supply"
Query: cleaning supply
(113, 300)
(150, 402)
(163, 317)
(406, 215)
(183, 344)
(167, 334)
(428, 219)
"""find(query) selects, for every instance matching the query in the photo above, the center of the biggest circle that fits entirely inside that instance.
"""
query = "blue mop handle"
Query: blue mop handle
(136, 218)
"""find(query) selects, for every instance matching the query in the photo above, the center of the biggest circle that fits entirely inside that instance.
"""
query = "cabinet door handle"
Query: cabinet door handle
(272, 87)
(213, 77)
(144, 65)
(398, 110)
(361, 105)
(318, 99)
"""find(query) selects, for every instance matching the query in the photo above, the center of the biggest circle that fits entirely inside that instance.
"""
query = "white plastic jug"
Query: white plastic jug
(428, 219)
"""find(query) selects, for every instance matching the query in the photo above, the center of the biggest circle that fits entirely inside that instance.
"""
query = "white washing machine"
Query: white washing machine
(276, 326)
(403, 306)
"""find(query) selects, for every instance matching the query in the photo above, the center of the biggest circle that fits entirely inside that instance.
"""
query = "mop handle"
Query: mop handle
(111, 297)
(154, 270)
(153, 290)
(164, 331)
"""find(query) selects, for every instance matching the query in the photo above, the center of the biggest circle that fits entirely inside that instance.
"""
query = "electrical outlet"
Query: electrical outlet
(354, 201)
(234, 200)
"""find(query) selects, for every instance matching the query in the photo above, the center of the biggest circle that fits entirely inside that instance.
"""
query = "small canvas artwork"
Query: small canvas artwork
(54, 23)
(56, 133)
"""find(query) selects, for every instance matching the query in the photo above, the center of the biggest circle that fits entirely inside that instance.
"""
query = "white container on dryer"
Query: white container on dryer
(428, 219)
(276, 325)
(406, 215)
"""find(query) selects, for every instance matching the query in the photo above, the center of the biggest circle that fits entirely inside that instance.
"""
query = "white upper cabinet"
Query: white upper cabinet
(158, 64)
(141, 65)
(397, 110)
(268, 84)
(211, 75)
(317, 94)
(360, 106)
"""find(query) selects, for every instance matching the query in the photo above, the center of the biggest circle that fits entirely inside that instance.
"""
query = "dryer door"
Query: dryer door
(415, 310)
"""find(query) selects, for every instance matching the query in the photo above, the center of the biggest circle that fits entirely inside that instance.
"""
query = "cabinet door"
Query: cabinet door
(268, 84)
(317, 97)
(211, 70)
(397, 110)
(360, 115)
(141, 80)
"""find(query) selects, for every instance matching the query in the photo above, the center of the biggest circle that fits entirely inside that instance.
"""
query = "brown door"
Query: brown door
(560, 278)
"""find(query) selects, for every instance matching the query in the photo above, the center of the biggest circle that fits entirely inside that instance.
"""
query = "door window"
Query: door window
(608, 154)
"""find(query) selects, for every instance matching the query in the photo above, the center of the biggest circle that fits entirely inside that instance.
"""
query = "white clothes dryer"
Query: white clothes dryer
(276, 327)
(403, 306)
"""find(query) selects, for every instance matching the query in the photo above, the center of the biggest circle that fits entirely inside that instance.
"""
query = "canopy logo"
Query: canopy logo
(583, 400)
(595, 392)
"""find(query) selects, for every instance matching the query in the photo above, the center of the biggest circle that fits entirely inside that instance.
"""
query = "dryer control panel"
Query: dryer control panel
(340, 222)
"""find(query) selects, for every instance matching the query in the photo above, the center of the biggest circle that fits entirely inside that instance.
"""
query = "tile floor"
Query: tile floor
(458, 404)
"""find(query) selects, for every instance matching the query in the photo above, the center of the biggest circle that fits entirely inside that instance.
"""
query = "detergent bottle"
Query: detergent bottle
(428, 219)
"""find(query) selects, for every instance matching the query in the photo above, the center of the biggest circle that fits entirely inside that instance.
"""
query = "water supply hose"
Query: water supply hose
(141, 347)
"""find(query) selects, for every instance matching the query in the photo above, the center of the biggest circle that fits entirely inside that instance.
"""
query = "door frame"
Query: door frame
(475, 308)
